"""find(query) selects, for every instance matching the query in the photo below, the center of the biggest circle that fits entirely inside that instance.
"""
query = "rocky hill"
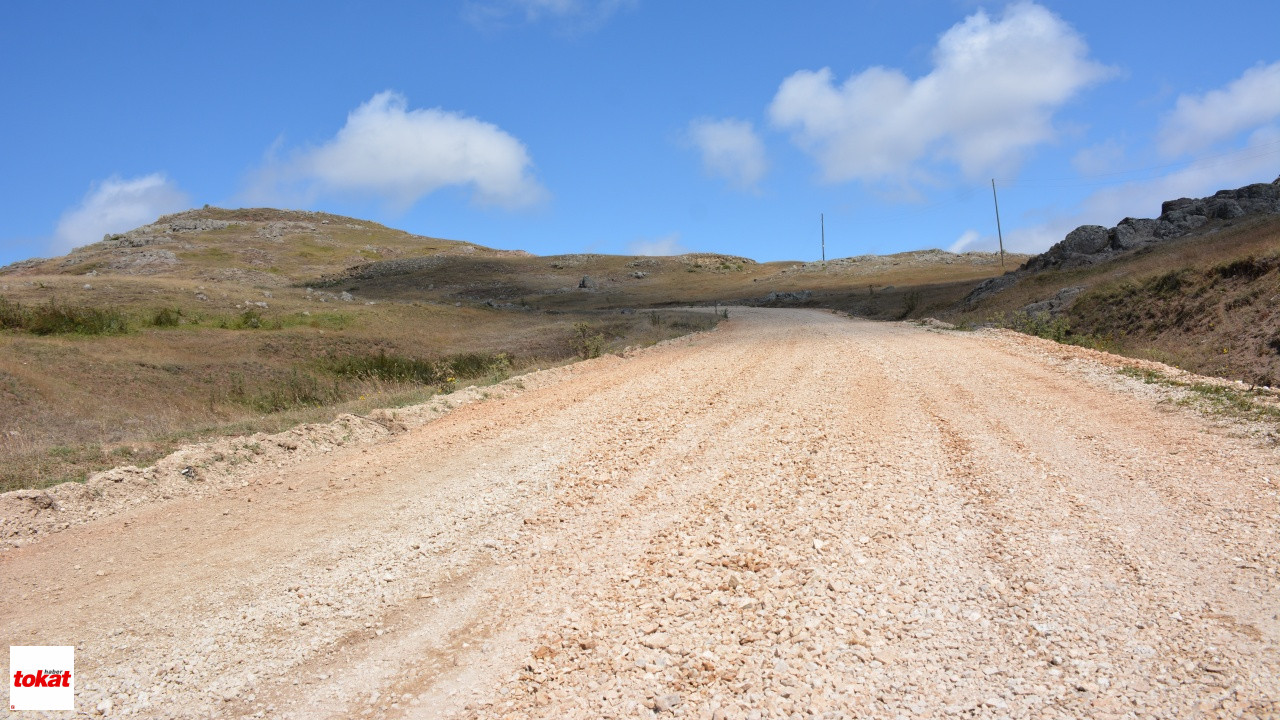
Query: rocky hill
(1093, 244)
(1195, 287)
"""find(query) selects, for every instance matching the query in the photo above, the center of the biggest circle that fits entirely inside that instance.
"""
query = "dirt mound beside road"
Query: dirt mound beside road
(796, 513)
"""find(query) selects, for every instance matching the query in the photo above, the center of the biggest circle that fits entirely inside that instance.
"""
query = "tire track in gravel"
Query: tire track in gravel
(794, 514)
(1125, 519)
(587, 512)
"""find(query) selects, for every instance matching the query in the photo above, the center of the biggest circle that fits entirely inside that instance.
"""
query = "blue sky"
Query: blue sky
(623, 126)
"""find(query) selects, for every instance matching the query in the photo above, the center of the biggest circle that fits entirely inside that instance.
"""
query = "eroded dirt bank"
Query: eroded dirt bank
(796, 515)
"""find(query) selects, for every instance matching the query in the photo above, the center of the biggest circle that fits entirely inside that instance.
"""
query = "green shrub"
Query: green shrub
(1057, 329)
(250, 319)
(472, 365)
(166, 317)
(399, 369)
(585, 342)
(56, 318)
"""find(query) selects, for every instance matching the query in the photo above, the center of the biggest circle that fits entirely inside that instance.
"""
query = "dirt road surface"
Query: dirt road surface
(795, 515)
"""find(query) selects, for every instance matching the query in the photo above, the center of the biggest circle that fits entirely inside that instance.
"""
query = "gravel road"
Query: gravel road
(795, 515)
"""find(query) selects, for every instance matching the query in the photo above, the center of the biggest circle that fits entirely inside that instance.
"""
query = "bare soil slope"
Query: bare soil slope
(793, 513)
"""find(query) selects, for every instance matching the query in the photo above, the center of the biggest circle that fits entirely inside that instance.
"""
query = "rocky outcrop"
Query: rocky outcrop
(162, 231)
(1055, 305)
(1092, 244)
(775, 298)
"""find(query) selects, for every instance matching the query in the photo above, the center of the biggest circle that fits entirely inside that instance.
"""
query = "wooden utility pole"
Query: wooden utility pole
(822, 221)
(999, 232)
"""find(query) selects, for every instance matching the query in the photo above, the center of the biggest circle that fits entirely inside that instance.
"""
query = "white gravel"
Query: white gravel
(796, 515)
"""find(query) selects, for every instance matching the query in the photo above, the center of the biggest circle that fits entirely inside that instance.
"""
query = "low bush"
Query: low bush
(56, 318)
(166, 317)
(399, 369)
(1057, 329)
(585, 342)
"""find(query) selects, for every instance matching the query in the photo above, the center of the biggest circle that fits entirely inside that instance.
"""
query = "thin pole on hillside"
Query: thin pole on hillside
(999, 232)
(822, 221)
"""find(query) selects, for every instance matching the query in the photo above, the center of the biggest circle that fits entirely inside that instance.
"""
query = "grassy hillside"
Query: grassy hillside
(1206, 302)
(225, 321)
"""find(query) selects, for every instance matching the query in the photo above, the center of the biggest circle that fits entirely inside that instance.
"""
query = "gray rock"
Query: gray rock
(1084, 240)
(991, 286)
(586, 283)
(197, 225)
(143, 262)
(1055, 305)
(1178, 223)
(1132, 233)
(1169, 206)
(1225, 209)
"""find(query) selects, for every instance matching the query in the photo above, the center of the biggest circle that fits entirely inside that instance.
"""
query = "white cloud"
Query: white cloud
(967, 238)
(402, 155)
(582, 15)
(730, 149)
(989, 99)
(1199, 121)
(116, 205)
(665, 245)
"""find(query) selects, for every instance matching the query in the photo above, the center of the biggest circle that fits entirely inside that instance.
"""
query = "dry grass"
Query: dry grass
(72, 405)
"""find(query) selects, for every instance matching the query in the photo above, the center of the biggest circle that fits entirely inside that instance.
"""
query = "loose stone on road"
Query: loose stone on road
(795, 515)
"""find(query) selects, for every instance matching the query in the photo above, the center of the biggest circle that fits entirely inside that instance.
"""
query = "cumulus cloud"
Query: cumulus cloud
(989, 98)
(730, 149)
(665, 245)
(389, 151)
(1199, 121)
(116, 205)
(572, 14)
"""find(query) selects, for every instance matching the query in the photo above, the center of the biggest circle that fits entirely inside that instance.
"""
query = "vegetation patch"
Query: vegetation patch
(406, 370)
(55, 318)
(297, 389)
(166, 317)
(585, 341)
(1242, 403)
(1057, 329)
